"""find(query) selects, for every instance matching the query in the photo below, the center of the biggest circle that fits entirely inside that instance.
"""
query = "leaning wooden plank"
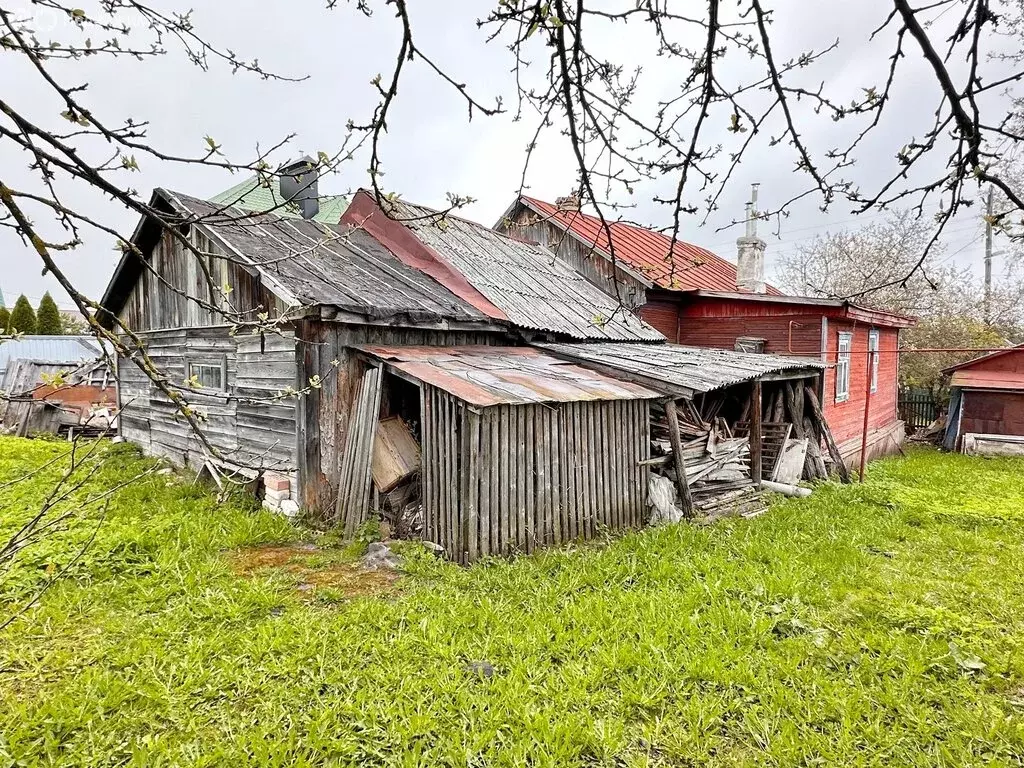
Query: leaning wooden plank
(366, 449)
(790, 465)
(817, 469)
(345, 474)
(682, 486)
(755, 431)
(830, 441)
(426, 503)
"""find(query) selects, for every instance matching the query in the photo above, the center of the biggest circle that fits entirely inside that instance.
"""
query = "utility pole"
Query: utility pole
(987, 308)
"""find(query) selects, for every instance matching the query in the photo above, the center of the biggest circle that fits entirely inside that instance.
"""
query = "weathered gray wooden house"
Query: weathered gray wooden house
(341, 291)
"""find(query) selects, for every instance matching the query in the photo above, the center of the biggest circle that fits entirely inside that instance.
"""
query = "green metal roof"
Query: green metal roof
(252, 195)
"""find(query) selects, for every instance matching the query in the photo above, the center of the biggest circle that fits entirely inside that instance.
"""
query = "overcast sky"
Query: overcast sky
(432, 148)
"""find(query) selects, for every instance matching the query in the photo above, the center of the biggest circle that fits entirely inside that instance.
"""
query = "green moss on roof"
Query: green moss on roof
(252, 195)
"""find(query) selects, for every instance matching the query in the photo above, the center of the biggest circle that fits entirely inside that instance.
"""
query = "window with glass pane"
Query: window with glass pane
(873, 349)
(208, 375)
(843, 367)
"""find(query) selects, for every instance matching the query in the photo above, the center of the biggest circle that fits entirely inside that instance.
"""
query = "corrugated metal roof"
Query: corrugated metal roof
(682, 370)
(691, 267)
(252, 195)
(487, 376)
(533, 288)
(331, 265)
(52, 349)
(969, 379)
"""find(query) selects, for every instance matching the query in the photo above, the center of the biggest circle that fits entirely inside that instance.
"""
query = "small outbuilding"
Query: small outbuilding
(986, 408)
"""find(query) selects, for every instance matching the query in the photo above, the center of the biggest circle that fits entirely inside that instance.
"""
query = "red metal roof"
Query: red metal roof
(989, 356)
(969, 379)
(646, 251)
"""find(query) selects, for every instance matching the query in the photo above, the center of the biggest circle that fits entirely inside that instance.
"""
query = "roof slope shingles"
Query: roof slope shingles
(646, 251)
(329, 265)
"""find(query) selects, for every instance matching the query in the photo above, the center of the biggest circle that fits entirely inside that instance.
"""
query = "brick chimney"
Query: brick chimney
(750, 252)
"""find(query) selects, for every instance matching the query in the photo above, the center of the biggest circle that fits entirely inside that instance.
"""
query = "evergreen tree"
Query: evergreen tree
(48, 320)
(23, 318)
(5, 319)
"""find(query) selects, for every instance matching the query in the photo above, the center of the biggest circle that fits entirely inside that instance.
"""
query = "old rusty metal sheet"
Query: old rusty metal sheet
(486, 376)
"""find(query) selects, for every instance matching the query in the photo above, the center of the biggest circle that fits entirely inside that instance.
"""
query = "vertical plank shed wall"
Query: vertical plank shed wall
(512, 478)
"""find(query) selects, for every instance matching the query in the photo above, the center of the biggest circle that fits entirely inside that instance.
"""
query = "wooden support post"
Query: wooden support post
(755, 432)
(830, 441)
(682, 486)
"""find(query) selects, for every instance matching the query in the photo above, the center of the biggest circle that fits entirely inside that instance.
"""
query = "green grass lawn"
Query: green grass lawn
(867, 625)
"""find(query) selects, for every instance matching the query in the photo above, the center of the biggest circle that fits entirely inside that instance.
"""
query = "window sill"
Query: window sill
(842, 399)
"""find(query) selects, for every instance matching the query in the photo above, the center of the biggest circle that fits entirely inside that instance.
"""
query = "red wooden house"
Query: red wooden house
(700, 299)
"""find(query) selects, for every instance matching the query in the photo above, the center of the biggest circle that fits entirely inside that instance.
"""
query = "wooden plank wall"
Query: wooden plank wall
(239, 422)
(154, 303)
(509, 479)
(323, 416)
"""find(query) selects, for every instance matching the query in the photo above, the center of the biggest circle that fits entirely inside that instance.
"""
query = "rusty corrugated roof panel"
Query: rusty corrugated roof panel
(533, 288)
(681, 370)
(487, 376)
(970, 379)
(690, 268)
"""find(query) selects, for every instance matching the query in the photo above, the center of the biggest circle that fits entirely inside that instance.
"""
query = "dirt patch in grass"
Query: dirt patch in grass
(315, 572)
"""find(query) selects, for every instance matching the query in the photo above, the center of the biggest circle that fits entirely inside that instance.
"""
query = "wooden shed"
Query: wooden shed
(519, 448)
(986, 409)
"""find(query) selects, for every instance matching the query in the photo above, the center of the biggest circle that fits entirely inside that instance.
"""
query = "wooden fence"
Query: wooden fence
(917, 408)
(512, 478)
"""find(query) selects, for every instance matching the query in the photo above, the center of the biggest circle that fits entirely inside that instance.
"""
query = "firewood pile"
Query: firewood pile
(717, 463)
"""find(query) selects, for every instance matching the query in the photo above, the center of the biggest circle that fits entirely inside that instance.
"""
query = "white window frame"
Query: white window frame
(873, 350)
(843, 348)
(195, 368)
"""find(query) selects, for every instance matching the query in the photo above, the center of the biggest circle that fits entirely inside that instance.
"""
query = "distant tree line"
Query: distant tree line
(45, 320)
